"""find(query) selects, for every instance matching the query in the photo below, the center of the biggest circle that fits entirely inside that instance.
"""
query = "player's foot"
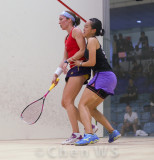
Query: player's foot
(87, 139)
(74, 138)
(114, 136)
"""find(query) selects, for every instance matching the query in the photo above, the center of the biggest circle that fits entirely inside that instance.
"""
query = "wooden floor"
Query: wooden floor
(131, 148)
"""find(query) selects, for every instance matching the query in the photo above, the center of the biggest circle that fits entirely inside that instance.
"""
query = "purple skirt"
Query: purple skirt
(78, 71)
(106, 81)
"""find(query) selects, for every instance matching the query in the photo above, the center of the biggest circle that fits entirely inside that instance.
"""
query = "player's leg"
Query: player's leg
(88, 107)
(87, 99)
(99, 117)
(71, 90)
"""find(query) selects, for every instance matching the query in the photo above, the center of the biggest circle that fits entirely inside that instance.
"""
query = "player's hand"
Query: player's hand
(65, 70)
(54, 79)
(71, 59)
(77, 63)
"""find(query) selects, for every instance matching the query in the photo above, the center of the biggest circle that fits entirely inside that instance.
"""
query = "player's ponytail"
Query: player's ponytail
(77, 19)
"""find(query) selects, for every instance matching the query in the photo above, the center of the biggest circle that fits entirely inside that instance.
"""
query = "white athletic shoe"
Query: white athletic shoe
(74, 138)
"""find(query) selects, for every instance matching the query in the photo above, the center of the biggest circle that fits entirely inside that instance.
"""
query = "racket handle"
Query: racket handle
(53, 85)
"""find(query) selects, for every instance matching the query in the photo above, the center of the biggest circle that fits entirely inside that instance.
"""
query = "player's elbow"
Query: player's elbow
(92, 63)
(82, 52)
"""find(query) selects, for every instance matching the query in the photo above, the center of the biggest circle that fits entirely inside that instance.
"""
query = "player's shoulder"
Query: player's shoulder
(77, 30)
(92, 40)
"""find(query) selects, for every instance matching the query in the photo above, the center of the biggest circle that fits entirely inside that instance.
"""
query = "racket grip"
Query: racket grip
(53, 85)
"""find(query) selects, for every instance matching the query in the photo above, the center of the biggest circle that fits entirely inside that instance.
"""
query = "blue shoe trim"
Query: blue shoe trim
(87, 139)
(114, 136)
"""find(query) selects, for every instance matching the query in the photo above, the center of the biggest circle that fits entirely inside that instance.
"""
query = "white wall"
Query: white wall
(31, 47)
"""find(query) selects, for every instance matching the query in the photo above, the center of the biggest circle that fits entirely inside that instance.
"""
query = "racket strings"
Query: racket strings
(33, 111)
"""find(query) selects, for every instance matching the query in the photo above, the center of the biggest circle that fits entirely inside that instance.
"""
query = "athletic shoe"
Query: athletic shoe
(114, 136)
(87, 139)
(74, 138)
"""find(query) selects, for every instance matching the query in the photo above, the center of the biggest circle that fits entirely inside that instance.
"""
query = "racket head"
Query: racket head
(33, 111)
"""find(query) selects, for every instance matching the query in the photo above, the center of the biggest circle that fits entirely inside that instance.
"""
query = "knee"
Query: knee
(92, 111)
(66, 103)
(81, 106)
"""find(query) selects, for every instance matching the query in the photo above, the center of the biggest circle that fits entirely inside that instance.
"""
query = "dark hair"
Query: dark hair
(97, 24)
(77, 19)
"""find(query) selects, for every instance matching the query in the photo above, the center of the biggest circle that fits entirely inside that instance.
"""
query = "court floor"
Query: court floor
(131, 148)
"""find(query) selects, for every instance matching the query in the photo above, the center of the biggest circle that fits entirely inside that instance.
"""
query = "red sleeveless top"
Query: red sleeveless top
(71, 47)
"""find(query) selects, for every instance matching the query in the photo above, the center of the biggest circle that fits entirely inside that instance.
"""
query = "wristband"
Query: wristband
(59, 71)
(66, 62)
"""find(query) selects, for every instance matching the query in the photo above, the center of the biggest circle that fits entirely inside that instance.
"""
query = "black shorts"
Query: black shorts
(79, 71)
(100, 92)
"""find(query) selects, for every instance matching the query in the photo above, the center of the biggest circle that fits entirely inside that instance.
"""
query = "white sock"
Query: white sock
(77, 134)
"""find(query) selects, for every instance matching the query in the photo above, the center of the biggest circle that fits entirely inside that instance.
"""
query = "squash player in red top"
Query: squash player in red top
(76, 76)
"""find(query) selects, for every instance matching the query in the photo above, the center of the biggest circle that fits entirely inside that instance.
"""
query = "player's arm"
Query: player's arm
(92, 47)
(60, 68)
(65, 56)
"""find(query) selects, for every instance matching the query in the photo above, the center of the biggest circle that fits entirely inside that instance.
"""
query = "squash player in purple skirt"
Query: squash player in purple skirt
(101, 85)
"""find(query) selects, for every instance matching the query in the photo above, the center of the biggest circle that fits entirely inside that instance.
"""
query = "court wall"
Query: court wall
(31, 48)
